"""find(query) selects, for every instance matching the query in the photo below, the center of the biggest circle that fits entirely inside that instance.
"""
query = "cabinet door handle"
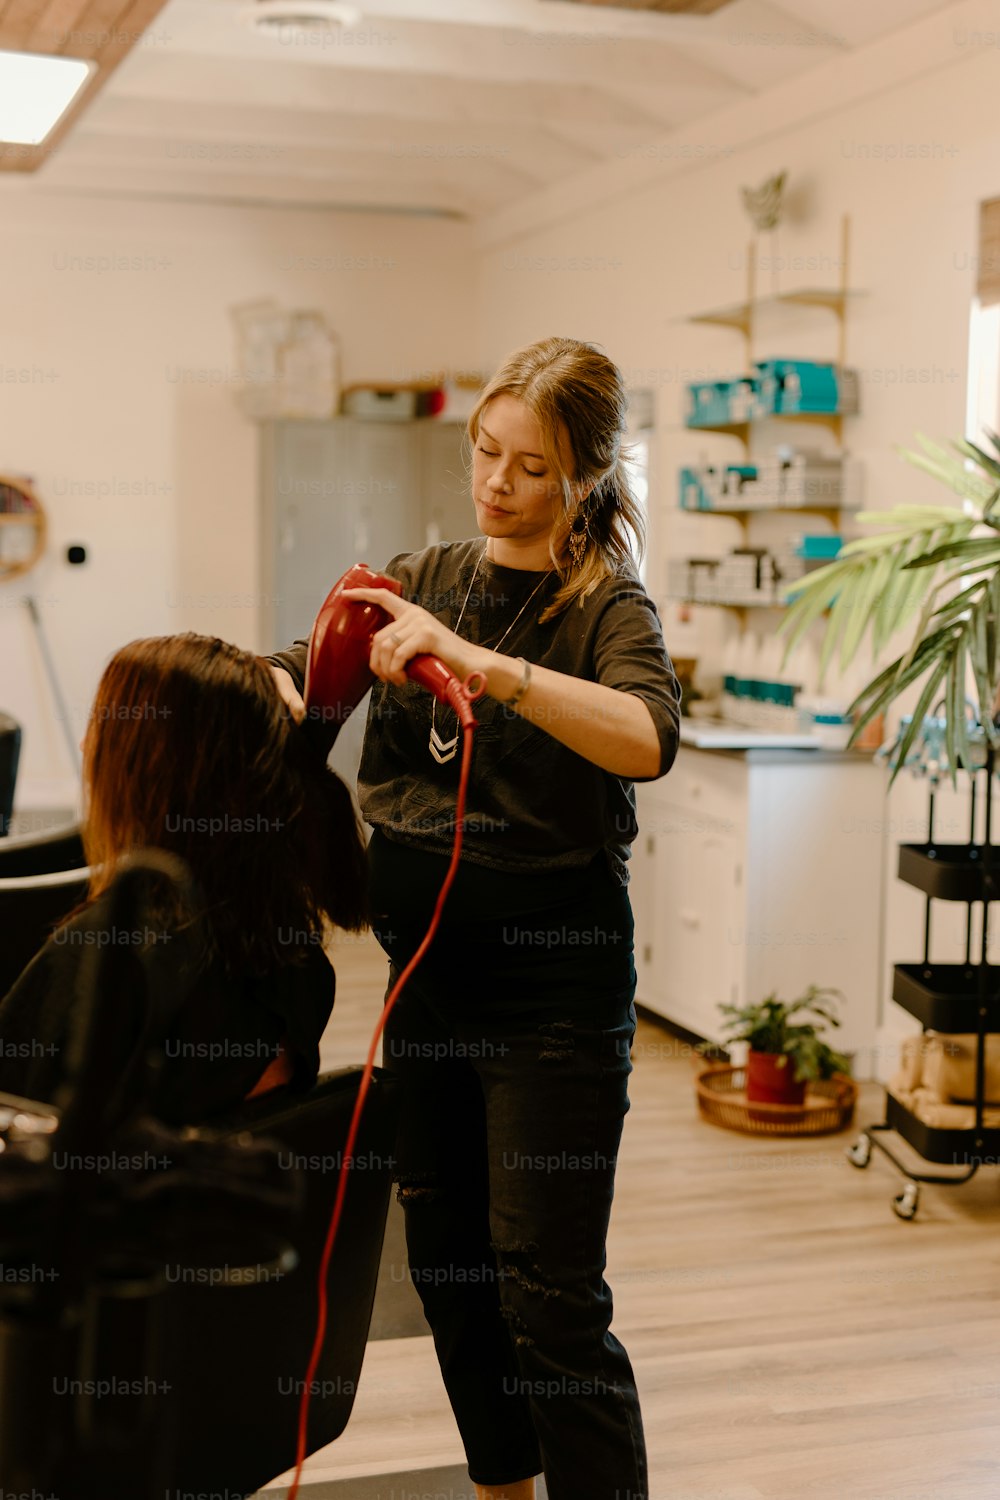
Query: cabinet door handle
(690, 918)
(695, 789)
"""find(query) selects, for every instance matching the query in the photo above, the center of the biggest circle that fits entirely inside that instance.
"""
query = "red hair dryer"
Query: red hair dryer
(337, 672)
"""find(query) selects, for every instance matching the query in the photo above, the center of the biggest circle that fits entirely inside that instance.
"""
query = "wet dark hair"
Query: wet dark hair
(190, 748)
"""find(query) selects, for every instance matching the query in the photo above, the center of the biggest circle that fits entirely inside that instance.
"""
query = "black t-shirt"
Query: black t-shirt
(222, 1037)
(533, 804)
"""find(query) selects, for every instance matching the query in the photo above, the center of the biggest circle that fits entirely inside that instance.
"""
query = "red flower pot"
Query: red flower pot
(771, 1079)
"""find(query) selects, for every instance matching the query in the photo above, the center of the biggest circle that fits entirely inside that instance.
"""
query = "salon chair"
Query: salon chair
(240, 1352)
(10, 753)
(218, 1368)
(166, 1351)
(43, 877)
(30, 907)
(42, 853)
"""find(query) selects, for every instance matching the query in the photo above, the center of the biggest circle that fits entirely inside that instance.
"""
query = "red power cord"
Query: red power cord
(463, 782)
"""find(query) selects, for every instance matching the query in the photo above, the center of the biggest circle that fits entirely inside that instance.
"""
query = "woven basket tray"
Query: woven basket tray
(828, 1107)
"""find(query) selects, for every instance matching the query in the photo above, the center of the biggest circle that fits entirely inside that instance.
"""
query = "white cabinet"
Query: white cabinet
(757, 871)
(687, 881)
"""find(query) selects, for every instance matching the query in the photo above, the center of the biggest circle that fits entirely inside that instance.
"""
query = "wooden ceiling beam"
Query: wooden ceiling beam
(18, 21)
(61, 27)
(100, 31)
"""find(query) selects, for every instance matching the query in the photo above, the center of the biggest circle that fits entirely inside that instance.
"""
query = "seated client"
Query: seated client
(190, 749)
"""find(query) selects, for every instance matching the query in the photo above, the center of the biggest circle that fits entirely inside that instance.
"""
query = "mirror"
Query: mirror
(22, 527)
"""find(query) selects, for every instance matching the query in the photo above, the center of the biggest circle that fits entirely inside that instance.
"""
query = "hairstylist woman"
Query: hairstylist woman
(514, 1033)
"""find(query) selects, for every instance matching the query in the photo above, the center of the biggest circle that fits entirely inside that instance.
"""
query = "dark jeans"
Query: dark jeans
(513, 1039)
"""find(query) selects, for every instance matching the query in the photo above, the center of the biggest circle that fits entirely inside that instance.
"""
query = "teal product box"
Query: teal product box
(736, 476)
(696, 488)
(707, 403)
(789, 386)
(819, 548)
(717, 403)
(708, 487)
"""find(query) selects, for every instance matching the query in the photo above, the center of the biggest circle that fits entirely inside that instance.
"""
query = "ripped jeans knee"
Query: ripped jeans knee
(412, 1188)
(519, 1269)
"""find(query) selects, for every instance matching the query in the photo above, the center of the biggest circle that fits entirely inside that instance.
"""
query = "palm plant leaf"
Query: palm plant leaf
(923, 707)
(859, 580)
(955, 736)
(911, 600)
(867, 595)
(925, 558)
(979, 456)
(968, 640)
(927, 611)
(959, 603)
(898, 676)
(890, 597)
(950, 470)
(985, 550)
(982, 655)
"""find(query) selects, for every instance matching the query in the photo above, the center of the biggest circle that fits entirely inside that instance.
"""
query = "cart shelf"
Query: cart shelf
(948, 872)
(943, 1145)
(959, 998)
(945, 997)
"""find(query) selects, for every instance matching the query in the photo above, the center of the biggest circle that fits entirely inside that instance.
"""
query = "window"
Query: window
(983, 406)
(637, 464)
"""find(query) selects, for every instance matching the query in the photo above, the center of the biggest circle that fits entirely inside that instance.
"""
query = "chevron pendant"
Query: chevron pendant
(442, 750)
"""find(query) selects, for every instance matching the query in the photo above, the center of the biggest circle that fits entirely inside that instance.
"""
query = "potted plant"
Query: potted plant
(785, 1054)
(880, 581)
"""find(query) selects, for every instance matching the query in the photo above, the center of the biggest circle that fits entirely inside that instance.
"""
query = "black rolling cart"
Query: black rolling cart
(958, 998)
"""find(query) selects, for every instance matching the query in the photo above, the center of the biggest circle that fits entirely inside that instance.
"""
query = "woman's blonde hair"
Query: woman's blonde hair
(573, 387)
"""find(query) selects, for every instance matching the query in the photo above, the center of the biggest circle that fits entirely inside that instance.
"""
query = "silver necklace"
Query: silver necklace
(445, 750)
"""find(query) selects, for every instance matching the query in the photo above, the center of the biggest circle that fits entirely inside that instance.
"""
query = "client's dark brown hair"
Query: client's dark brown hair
(191, 749)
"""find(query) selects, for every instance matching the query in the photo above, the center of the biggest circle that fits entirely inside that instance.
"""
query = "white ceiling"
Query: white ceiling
(458, 107)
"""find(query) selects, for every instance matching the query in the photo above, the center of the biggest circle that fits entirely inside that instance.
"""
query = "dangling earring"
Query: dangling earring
(578, 533)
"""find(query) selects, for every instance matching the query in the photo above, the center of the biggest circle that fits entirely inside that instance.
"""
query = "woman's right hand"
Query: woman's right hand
(289, 693)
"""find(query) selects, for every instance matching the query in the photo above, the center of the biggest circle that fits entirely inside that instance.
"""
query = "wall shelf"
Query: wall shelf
(740, 315)
(831, 419)
(729, 603)
(830, 513)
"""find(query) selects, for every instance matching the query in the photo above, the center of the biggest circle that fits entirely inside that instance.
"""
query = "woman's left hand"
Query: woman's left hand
(411, 631)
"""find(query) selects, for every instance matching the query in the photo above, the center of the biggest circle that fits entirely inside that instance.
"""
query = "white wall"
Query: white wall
(115, 395)
(906, 140)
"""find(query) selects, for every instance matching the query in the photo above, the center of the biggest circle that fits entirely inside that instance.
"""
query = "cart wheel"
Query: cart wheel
(904, 1205)
(860, 1154)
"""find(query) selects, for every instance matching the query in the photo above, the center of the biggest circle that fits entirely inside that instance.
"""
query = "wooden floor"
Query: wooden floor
(792, 1339)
